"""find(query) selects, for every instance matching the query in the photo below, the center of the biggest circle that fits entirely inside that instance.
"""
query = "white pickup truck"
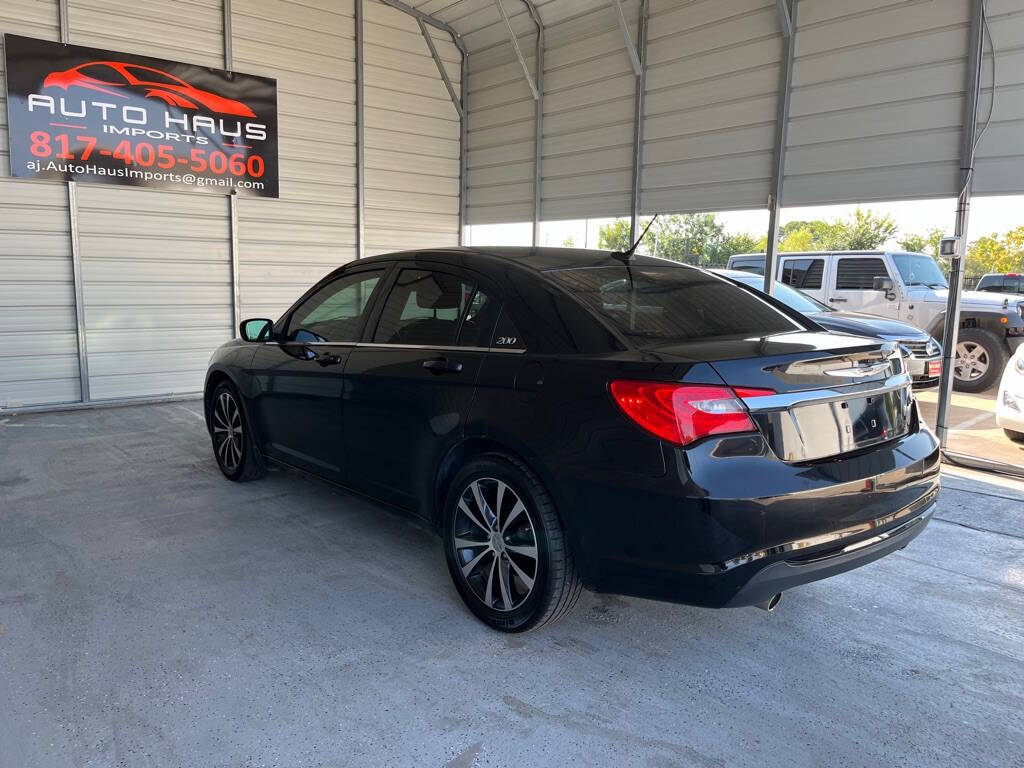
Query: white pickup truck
(908, 287)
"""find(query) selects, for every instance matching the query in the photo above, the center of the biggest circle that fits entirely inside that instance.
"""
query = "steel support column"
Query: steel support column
(638, 124)
(360, 137)
(968, 141)
(538, 118)
(236, 301)
(788, 26)
(76, 253)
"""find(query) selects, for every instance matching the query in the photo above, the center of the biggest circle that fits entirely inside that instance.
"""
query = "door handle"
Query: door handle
(837, 299)
(325, 359)
(442, 365)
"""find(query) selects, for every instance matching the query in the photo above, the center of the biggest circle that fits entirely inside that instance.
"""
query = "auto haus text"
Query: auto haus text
(136, 121)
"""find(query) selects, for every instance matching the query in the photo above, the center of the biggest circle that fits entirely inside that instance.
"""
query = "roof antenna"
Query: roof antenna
(627, 256)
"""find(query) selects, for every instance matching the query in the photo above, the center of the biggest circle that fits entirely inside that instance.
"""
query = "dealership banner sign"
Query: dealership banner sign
(83, 114)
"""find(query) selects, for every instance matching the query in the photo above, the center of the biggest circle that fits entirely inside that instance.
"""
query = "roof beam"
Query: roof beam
(785, 20)
(630, 48)
(440, 68)
(519, 51)
(638, 125)
(426, 18)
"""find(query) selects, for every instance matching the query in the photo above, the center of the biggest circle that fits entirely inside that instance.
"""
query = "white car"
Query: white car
(1010, 401)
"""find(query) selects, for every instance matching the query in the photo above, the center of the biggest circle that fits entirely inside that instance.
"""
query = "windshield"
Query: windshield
(918, 269)
(654, 305)
(791, 297)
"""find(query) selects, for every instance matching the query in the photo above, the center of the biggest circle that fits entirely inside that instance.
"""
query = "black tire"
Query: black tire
(992, 348)
(1017, 437)
(233, 449)
(495, 589)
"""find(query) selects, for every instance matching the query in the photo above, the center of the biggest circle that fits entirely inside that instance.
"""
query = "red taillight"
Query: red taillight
(683, 413)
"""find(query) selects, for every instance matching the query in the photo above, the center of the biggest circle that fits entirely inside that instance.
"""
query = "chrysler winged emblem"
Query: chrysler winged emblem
(859, 372)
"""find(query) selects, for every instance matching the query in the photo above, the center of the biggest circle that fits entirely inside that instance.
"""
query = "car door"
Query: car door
(409, 386)
(851, 286)
(805, 273)
(299, 375)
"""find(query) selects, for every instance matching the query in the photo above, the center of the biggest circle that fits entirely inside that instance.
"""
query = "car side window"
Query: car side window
(803, 273)
(479, 321)
(859, 274)
(336, 312)
(424, 308)
(991, 283)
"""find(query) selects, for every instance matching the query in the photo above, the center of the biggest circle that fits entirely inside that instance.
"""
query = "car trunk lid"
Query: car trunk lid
(822, 395)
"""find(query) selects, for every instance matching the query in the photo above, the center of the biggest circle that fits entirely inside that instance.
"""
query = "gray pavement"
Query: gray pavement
(154, 614)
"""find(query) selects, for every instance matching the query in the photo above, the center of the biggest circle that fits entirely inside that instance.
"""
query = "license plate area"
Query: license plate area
(818, 430)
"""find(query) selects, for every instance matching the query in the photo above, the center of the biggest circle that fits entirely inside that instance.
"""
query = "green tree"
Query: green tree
(861, 230)
(993, 253)
(926, 243)
(569, 242)
(797, 240)
(614, 236)
(730, 245)
(690, 237)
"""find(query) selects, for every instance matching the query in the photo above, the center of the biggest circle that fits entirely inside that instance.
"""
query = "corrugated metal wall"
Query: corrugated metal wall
(712, 80)
(999, 166)
(876, 109)
(287, 244)
(412, 135)
(156, 266)
(877, 100)
(500, 165)
(156, 271)
(38, 343)
(589, 96)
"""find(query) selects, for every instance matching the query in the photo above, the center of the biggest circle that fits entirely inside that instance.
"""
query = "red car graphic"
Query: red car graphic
(115, 77)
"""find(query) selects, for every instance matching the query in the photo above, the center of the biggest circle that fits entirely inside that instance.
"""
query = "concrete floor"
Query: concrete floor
(973, 429)
(154, 614)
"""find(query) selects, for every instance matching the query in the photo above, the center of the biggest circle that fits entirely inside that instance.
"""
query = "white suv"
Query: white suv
(908, 287)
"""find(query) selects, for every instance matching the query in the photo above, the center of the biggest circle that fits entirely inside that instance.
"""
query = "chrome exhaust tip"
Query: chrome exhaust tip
(771, 603)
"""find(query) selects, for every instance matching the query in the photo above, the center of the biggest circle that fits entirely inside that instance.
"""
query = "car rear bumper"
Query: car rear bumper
(917, 367)
(730, 524)
(850, 551)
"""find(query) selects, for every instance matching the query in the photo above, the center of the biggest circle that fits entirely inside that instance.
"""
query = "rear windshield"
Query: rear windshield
(653, 305)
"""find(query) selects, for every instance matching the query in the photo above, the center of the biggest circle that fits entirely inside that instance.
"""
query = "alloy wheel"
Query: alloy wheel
(227, 432)
(971, 361)
(495, 544)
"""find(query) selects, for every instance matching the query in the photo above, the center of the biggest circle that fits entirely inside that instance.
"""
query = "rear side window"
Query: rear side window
(476, 327)
(859, 274)
(424, 308)
(652, 305)
(990, 283)
(803, 273)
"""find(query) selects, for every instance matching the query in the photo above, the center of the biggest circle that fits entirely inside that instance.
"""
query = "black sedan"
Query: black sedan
(570, 418)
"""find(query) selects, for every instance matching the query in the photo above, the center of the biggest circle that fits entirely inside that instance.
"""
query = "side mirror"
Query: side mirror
(882, 284)
(256, 329)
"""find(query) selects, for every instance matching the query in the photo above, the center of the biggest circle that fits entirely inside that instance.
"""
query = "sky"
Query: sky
(988, 215)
